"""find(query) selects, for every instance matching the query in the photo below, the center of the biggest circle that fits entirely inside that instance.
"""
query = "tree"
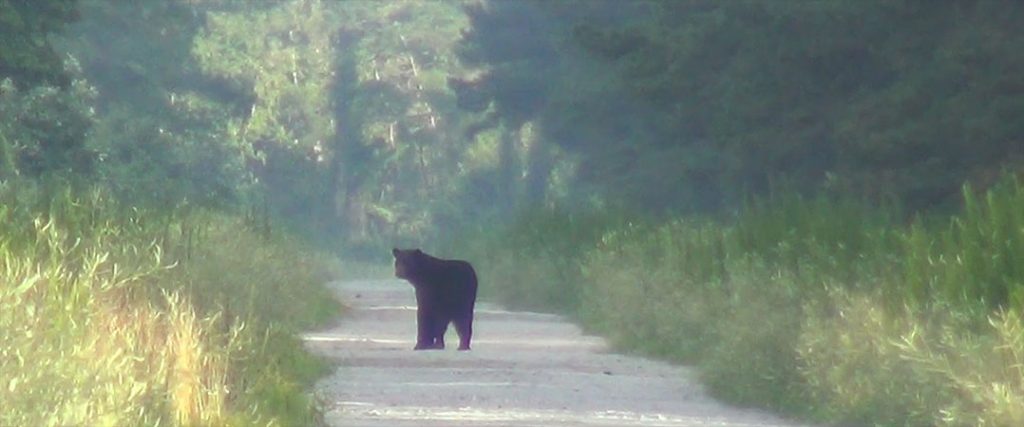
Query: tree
(26, 56)
(693, 106)
(43, 104)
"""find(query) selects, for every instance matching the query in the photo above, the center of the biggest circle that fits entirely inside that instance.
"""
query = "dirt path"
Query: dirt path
(525, 369)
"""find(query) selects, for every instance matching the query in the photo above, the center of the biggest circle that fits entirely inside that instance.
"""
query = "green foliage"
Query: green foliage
(403, 151)
(44, 128)
(127, 317)
(820, 240)
(322, 113)
(753, 359)
(873, 366)
(281, 56)
(693, 106)
(824, 308)
(553, 241)
(978, 257)
(161, 133)
(235, 260)
(26, 56)
(644, 303)
(855, 372)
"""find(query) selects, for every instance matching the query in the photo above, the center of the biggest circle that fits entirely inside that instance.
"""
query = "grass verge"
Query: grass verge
(114, 316)
(827, 309)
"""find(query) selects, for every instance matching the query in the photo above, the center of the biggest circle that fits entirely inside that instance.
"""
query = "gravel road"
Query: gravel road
(525, 369)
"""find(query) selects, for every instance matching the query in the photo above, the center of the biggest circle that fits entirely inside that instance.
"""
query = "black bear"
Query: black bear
(445, 293)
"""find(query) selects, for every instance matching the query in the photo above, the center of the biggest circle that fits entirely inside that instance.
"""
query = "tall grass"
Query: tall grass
(554, 243)
(115, 316)
(826, 308)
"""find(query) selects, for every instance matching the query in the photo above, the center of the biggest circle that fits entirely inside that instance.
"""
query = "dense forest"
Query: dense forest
(403, 120)
(818, 203)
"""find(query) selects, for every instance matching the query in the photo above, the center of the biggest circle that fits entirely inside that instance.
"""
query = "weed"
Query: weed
(111, 316)
(827, 308)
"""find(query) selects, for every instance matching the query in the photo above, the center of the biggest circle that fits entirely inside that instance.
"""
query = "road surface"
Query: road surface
(525, 369)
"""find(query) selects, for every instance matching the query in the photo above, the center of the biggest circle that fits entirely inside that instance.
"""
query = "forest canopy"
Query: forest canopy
(370, 122)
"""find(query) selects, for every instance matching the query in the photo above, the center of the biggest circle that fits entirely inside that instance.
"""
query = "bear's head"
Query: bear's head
(407, 262)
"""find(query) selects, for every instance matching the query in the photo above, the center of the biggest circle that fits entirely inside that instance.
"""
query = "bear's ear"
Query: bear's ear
(394, 252)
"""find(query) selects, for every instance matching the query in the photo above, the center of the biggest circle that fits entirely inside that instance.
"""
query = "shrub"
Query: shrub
(827, 308)
(114, 317)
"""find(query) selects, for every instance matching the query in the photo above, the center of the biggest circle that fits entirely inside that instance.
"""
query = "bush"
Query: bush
(111, 316)
(753, 359)
(826, 308)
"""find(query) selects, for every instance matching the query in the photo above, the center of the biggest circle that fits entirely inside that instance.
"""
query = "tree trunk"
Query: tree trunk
(509, 168)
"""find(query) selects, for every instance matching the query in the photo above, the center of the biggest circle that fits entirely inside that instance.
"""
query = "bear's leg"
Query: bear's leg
(464, 326)
(440, 327)
(424, 328)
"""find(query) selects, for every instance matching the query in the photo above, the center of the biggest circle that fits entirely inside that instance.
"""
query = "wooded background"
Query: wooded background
(369, 122)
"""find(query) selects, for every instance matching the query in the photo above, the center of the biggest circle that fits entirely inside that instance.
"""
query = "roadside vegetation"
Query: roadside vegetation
(772, 191)
(117, 316)
(820, 307)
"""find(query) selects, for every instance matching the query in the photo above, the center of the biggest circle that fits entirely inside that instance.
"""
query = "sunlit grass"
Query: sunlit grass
(827, 308)
(110, 317)
(870, 365)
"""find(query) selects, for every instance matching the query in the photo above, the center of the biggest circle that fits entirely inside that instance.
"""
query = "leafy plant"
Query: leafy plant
(114, 317)
(820, 307)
